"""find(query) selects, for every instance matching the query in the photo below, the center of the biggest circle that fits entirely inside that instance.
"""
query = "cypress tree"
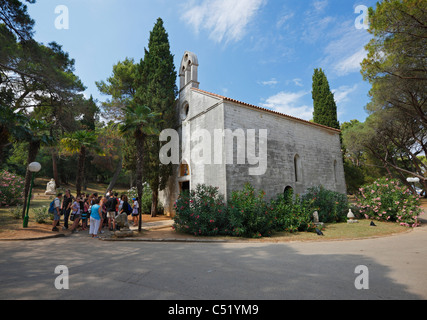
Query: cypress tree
(325, 108)
(157, 90)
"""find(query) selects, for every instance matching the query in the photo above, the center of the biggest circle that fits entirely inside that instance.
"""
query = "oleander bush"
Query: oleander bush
(292, 214)
(11, 189)
(250, 215)
(201, 212)
(332, 206)
(389, 200)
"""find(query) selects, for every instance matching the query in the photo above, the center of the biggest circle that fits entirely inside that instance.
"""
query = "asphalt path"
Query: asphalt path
(395, 268)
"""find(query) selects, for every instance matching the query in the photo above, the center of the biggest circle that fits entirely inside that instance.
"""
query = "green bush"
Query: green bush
(16, 212)
(201, 212)
(389, 200)
(293, 215)
(11, 189)
(250, 216)
(42, 215)
(332, 206)
(146, 201)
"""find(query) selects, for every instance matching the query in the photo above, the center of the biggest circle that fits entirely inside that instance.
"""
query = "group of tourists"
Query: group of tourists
(93, 211)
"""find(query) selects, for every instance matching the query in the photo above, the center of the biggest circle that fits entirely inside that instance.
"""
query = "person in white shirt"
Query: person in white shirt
(135, 211)
(57, 212)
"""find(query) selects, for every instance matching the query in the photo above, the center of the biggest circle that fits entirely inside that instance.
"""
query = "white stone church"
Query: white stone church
(227, 143)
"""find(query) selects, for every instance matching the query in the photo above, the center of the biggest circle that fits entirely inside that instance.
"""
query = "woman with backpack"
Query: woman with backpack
(126, 207)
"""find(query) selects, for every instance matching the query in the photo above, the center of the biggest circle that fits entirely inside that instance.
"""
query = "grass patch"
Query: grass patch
(344, 231)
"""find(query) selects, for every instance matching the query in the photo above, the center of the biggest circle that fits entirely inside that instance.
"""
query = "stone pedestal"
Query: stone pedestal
(124, 233)
(122, 222)
(316, 220)
(351, 218)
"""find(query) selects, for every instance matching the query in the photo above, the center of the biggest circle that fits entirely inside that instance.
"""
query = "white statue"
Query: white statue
(316, 217)
(51, 188)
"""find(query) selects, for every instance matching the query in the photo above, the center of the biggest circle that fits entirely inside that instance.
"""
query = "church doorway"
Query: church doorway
(184, 178)
(288, 194)
(185, 186)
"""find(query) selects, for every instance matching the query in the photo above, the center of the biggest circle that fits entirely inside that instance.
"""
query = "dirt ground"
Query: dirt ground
(39, 231)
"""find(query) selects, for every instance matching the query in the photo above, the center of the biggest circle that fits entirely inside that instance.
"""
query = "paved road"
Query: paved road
(227, 271)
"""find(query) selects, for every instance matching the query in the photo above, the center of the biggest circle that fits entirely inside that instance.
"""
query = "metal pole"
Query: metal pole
(26, 218)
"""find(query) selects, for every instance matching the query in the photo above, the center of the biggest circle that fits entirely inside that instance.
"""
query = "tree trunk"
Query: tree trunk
(80, 170)
(33, 150)
(55, 168)
(116, 174)
(139, 138)
(154, 203)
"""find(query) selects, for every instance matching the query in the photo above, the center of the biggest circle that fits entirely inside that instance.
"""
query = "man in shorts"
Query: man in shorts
(111, 212)
(57, 212)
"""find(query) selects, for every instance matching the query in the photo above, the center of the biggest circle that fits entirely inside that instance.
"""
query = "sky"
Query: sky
(262, 52)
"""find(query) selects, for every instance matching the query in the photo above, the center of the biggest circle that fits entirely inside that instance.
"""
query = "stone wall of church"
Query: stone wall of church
(316, 151)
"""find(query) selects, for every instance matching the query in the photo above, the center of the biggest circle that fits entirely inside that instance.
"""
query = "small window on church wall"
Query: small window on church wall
(184, 111)
(297, 169)
(335, 171)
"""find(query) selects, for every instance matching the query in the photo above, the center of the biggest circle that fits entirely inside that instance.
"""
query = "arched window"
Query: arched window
(288, 194)
(185, 109)
(297, 168)
(335, 171)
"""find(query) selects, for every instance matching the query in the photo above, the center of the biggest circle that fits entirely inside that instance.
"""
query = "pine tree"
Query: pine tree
(157, 90)
(325, 108)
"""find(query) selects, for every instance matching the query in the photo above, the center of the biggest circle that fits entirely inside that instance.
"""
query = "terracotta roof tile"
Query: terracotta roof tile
(266, 110)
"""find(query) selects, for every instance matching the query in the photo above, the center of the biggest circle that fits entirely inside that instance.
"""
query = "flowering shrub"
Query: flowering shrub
(332, 206)
(201, 212)
(293, 215)
(250, 216)
(388, 200)
(11, 189)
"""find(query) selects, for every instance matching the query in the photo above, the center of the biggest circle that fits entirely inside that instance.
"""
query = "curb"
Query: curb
(163, 240)
(36, 239)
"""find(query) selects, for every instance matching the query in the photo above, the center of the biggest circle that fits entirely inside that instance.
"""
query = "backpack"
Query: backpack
(129, 211)
(52, 206)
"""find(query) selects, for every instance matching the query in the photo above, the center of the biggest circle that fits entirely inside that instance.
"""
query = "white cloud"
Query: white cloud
(289, 103)
(225, 20)
(320, 5)
(346, 51)
(297, 82)
(271, 82)
(341, 94)
(283, 19)
(351, 64)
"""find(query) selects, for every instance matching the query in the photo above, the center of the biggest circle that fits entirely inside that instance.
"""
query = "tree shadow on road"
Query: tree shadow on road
(175, 271)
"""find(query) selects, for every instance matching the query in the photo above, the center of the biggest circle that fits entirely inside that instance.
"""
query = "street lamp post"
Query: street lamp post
(33, 168)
